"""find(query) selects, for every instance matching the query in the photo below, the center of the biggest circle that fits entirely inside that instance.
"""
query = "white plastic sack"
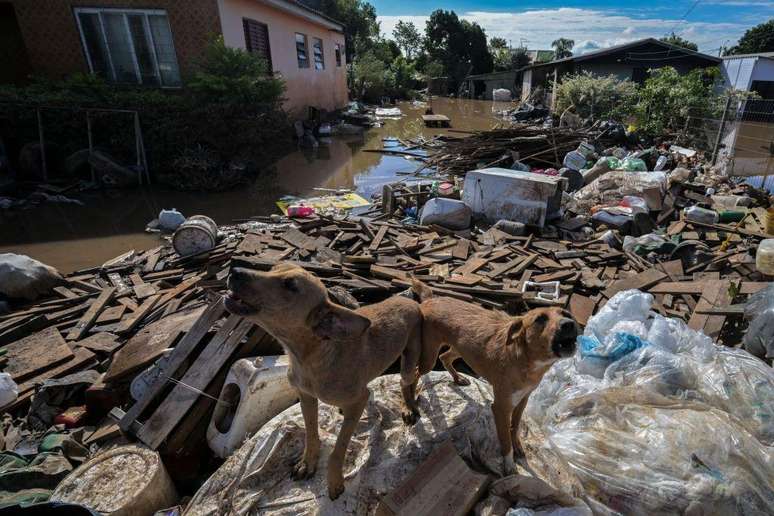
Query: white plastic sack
(654, 419)
(382, 453)
(9, 391)
(26, 278)
(501, 95)
(449, 213)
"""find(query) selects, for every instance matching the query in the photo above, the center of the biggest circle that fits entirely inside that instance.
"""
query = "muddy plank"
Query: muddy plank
(470, 266)
(35, 353)
(582, 308)
(377, 241)
(91, 314)
(713, 293)
(136, 317)
(104, 342)
(111, 315)
(641, 281)
(461, 249)
(464, 279)
(144, 290)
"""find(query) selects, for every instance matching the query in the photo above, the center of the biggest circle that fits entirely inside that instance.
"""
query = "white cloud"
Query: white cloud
(591, 29)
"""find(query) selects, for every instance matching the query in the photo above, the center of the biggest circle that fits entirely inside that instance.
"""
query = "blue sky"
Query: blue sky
(592, 24)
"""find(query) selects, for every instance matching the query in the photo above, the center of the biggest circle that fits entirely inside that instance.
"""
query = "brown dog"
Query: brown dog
(333, 351)
(511, 353)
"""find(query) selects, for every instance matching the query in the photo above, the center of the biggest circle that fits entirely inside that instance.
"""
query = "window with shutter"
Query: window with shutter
(257, 40)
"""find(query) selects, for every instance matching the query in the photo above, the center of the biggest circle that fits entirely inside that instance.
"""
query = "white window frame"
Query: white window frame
(322, 54)
(148, 33)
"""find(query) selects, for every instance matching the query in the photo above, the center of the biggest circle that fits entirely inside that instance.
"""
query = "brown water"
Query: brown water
(72, 237)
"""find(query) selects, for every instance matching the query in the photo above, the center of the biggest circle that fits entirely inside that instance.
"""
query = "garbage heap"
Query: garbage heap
(141, 349)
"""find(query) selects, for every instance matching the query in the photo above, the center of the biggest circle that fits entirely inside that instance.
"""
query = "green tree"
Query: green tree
(408, 38)
(563, 47)
(386, 50)
(460, 46)
(667, 99)
(361, 29)
(501, 54)
(674, 39)
(498, 43)
(757, 39)
(596, 97)
(519, 58)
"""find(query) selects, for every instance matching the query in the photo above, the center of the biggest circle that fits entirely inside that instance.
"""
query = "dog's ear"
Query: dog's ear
(331, 321)
(515, 331)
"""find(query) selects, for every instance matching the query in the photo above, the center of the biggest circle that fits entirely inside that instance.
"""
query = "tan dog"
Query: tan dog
(333, 351)
(511, 353)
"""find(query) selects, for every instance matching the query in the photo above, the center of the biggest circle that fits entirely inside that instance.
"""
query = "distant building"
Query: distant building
(157, 43)
(627, 61)
(540, 56)
(748, 141)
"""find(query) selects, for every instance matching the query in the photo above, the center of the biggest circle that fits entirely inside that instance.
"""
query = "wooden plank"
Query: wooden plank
(461, 249)
(712, 292)
(144, 290)
(714, 324)
(471, 266)
(136, 317)
(184, 348)
(23, 328)
(111, 315)
(582, 308)
(197, 377)
(298, 239)
(91, 314)
(465, 279)
(378, 238)
(81, 359)
(35, 353)
(104, 342)
(641, 281)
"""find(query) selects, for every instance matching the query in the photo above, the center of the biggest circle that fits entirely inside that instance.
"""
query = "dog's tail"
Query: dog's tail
(422, 291)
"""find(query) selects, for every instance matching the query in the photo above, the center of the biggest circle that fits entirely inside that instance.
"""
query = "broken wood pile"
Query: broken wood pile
(534, 145)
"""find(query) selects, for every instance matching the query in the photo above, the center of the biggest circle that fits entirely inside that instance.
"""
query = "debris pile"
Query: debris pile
(142, 348)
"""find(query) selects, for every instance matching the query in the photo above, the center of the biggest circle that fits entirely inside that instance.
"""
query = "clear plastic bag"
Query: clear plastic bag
(759, 338)
(676, 425)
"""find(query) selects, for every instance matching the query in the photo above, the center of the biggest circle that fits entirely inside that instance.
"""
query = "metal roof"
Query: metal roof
(617, 48)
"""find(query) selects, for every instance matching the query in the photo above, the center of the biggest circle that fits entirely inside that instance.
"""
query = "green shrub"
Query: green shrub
(596, 97)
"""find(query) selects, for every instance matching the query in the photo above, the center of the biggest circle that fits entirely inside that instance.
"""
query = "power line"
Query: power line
(683, 17)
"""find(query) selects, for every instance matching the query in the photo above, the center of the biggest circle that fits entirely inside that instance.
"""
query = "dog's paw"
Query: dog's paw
(461, 381)
(509, 466)
(410, 417)
(302, 471)
(335, 490)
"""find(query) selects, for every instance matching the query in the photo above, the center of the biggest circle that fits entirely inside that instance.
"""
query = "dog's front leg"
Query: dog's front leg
(501, 408)
(352, 415)
(308, 464)
(515, 420)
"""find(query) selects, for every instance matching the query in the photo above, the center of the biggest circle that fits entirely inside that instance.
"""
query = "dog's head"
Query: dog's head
(289, 297)
(547, 333)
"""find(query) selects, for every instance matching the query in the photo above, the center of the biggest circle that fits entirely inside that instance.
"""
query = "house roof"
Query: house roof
(618, 48)
(306, 9)
(765, 55)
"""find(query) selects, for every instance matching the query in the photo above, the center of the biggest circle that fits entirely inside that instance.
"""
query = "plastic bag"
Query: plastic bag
(9, 391)
(759, 310)
(674, 425)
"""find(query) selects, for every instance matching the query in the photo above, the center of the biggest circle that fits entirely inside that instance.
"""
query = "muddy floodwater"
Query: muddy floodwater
(72, 237)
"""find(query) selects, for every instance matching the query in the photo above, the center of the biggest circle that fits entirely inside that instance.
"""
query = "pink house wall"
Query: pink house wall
(326, 88)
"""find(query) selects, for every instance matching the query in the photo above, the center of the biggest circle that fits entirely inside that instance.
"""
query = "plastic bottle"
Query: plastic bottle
(300, 211)
(764, 257)
(703, 215)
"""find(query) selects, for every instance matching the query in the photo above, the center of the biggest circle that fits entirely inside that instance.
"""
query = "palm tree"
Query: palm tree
(563, 47)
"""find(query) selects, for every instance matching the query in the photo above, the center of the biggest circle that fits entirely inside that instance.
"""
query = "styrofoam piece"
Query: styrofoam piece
(256, 390)
(124, 481)
(500, 193)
